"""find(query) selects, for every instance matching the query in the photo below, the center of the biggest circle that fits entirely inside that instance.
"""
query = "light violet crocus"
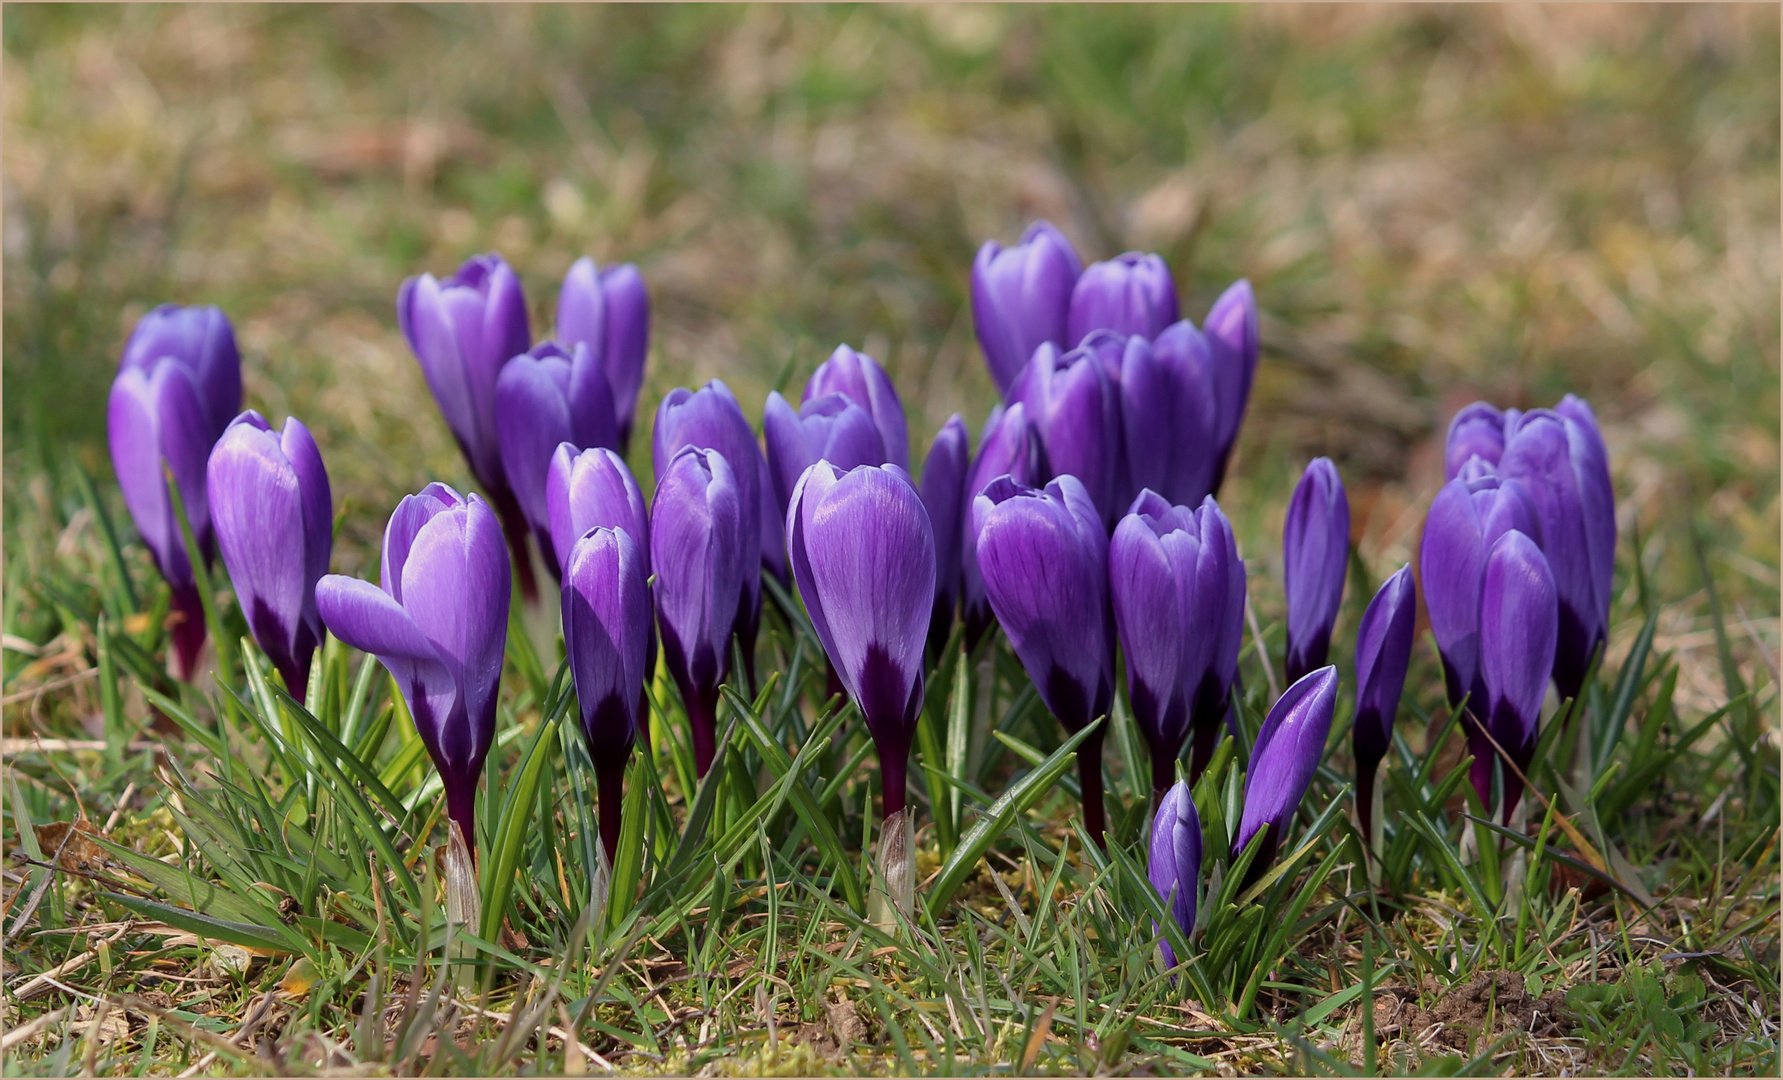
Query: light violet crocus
(1315, 557)
(829, 428)
(592, 489)
(1173, 863)
(1130, 294)
(1009, 446)
(1021, 297)
(177, 387)
(1476, 430)
(609, 311)
(1289, 746)
(859, 378)
(1072, 405)
(1519, 627)
(274, 519)
(545, 397)
(943, 496)
(1168, 415)
(1383, 652)
(1232, 334)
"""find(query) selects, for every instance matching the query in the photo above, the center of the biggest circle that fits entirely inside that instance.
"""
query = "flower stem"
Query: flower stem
(702, 717)
(1089, 777)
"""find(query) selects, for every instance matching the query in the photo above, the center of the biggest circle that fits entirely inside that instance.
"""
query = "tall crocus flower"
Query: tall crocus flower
(1173, 864)
(1044, 557)
(463, 330)
(594, 489)
(1009, 446)
(1477, 430)
(1177, 587)
(1519, 626)
(545, 397)
(1021, 296)
(177, 387)
(701, 550)
(1383, 652)
(1234, 341)
(609, 311)
(859, 378)
(943, 496)
(270, 505)
(1315, 554)
(1131, 294)
(606, 623)
(1168, 416)
(1289, 746)
(829, 428)
(863, 554)
(1072, 405)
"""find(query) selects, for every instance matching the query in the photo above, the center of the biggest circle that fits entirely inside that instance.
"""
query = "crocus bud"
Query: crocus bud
(1289, 747)
(859, 378)
(1233, 341)
(1475, 431)
(202, 341)
(1315, 555)
(1021, 296)
(1073, 407)
(1131, 294)
(829, 428)
(594, 489)
(944, 497)
(270, 505)
(438, 622)
(1173, 862)
(1168, 416)
(609, 311)
(1177, 587)
(701, 550)
(543, 398)
(1519, 626)
(1383, 652)
(1044, 557)
(606, 631)
(1010, 446)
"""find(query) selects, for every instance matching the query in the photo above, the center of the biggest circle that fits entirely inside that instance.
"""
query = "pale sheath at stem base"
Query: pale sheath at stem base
(894, 884)
(464, 897)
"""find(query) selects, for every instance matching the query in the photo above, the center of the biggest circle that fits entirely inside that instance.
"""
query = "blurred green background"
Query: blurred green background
(1435, 204)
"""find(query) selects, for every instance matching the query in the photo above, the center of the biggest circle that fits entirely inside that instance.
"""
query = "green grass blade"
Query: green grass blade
(503, 858)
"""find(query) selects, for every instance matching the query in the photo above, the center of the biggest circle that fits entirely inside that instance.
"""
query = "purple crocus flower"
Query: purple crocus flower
(1315, 555)
(545, 397)
(1287, 753)
(1044, 557)
(177, 387)
(944, 497)
(701, 550)
(1009, 446)
(1177, 587)
(462, 331)
(606, 631)
(859, 378)
(1173, 864)
(1168, 416)
(438, 622)
(1021, 296)
(1477, 430)
(1073, 406)
(609, 311)
(1233, 340)
(829, 428)
(593, 489)
(1383, 652)
(1131, 294)
(270, 505)
(1519, 627)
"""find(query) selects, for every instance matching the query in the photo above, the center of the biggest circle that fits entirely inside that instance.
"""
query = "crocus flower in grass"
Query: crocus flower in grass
(1177, 587)
(177, 387)
(606, 621)
(1233, 339)
(1315, 556)
(859, 378)
(1476, 430)
(1168, 415)
(701, 551)
(1044, 557)
(270, 506)
(1009, 446)
(1287, 753)
(830, 428)
(1072, 405)
(1021, 297)
(1383, 652)
(863, 554)
(609, 311)
(943, 496)
(1519, 626)
(1173, 864)
(593, 489)
(545, 397)
(1130, 294)
(462, 331)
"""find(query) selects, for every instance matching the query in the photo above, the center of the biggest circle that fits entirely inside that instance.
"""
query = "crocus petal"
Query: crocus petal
(773, 524)
(606, 619)
(697, 549)
(1287, 753)
(1174, 863)
(1149, 613)
(1475, 431)
(1315, 556)
(859, 378)
(1073, 407)
(1131, 294)
(943, 496)
(1021, 297)
(628, 339)
(829, 428)
(710, 418)
(1233, 341)
(1383, 652)
(1518, 628)
(1009, 447)
(157, 417)
(1168, 416)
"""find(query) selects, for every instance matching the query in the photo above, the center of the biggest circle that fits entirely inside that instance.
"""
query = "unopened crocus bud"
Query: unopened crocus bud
(545, 397)
(177, 387)
(1519, 626)
(829, 428)
(1173, 863)
(1383, 652)
(438, 622)
(270, 506)
(609, 311)
(1234, 343)
(1044, 557)
(701, 550)
(606, 631)
(1477, 430)
(944, 497)
(1021, 297)
(1072, 405)
(1289, 746)
(1168, 416)
(1315, 556)
(859, 378)
(1131, 294)
(1009, 446)
(593, 489)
